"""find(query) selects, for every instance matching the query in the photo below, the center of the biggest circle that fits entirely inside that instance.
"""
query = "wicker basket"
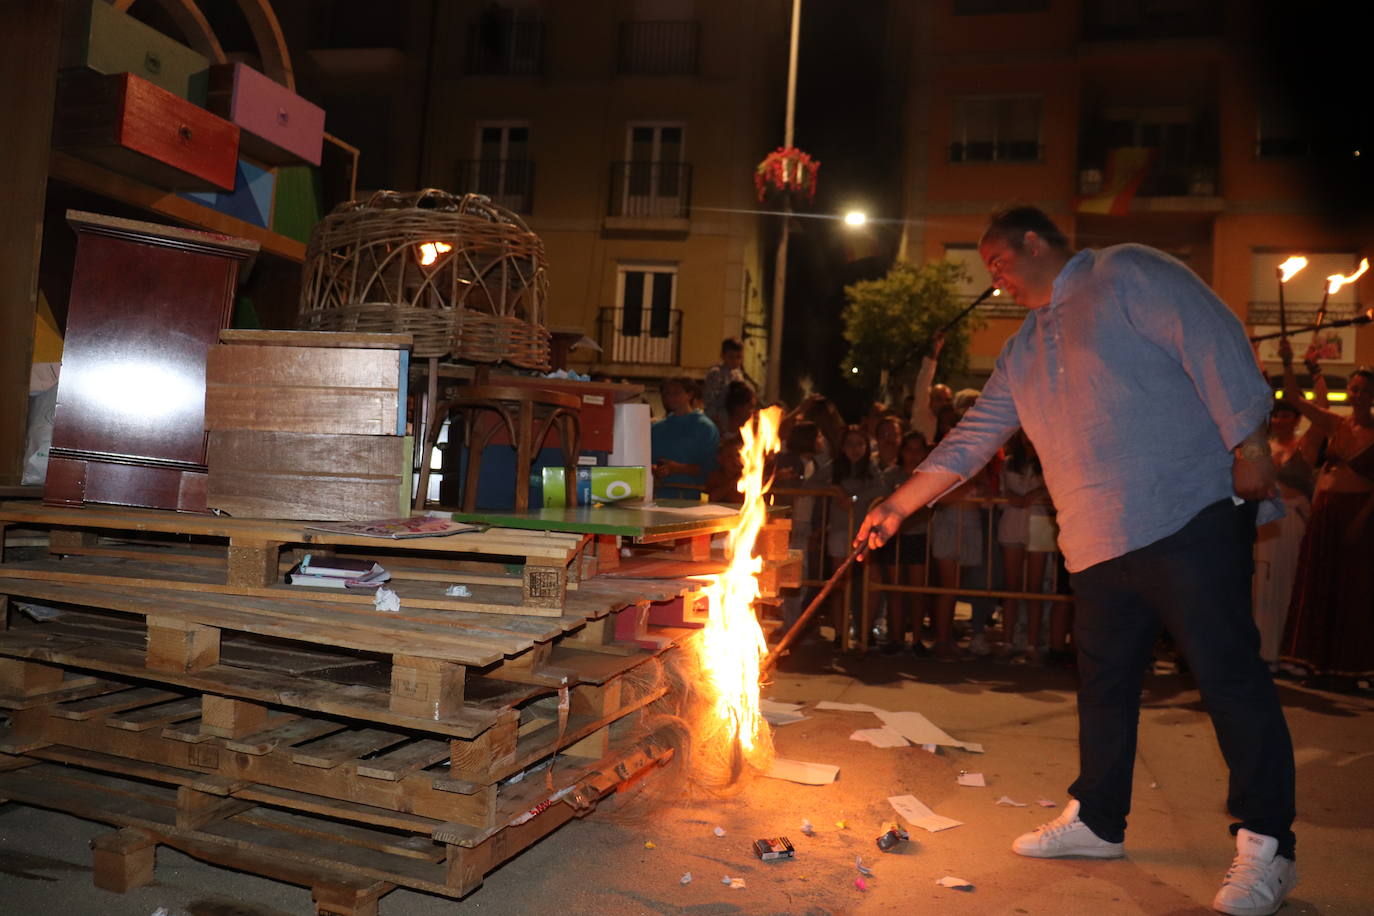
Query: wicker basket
(465, 277)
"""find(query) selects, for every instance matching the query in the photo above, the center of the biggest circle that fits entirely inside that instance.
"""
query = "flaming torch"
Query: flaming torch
(1334, 284)
(732, 644)
(1287, 271)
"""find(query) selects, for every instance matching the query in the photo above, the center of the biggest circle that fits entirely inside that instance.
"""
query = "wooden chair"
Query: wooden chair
(527, 415)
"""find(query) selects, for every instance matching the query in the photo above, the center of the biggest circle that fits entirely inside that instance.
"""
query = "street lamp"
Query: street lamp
(855, 218)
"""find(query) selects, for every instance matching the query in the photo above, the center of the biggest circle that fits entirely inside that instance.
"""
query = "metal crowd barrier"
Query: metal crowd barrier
(825, 503)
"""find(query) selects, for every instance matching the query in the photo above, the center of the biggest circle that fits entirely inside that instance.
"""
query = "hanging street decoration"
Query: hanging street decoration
(786, 169)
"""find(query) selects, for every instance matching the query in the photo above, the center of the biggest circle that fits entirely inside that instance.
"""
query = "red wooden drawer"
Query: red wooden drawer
(129, 125)
(279, 127)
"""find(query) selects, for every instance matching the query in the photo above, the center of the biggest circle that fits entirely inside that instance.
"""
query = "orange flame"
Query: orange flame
(732, 642)
(1289, 269)
(430, 251)
(1336, 281)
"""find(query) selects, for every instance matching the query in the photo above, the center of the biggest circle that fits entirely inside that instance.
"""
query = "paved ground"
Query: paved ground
(1178, 847)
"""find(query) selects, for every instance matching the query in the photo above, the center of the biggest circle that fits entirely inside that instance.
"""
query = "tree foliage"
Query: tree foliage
(889, 323)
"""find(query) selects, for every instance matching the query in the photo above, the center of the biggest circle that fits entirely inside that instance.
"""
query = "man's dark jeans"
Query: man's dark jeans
(1196, 582)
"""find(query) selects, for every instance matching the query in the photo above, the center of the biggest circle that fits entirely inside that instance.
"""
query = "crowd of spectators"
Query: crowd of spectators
(830, 472)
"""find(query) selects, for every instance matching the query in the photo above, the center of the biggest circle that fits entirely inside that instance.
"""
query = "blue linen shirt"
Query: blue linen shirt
(1134, 383)
(690, 438)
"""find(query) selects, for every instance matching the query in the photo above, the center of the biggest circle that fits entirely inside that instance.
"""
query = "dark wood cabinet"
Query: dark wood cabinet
(147, 303)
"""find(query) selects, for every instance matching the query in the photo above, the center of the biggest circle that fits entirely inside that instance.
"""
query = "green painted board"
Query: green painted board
(97, 36)
(639, 522)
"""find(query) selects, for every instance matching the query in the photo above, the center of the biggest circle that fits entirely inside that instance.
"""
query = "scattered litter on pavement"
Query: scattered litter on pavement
(718, 831)
(808, 774)
(774, 848)
(958, 884)
(915, 813)
(863, 869)
(1154, 785)
(975, 780)
(1009, 802)
(931, 748)
(734, 884)
(649, 844)
(1046, 803)
(894, 837)
(686, 878)
(458, 591)
(860, 883)
(842, 824)
(880, 737)
(780, 713)
(807, 829)
(913, 726)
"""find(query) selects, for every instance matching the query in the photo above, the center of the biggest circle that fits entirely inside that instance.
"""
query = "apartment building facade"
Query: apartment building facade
(1042, 101)
(625, 133)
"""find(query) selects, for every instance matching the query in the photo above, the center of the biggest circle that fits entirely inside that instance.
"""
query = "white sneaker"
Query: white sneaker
(1258, 879)
(1066, 835)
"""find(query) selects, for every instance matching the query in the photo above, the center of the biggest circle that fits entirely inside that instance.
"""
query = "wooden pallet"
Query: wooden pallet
(338, 849)
(252, 556)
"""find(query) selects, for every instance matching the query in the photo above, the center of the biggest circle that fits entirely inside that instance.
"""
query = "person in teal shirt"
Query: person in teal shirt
(683, 443)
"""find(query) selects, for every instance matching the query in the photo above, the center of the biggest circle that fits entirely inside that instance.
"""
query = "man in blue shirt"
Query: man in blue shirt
(1140, 392)
(683, 443)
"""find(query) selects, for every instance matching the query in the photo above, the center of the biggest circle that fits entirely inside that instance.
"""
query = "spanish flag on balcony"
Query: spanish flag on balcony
(1127, 167)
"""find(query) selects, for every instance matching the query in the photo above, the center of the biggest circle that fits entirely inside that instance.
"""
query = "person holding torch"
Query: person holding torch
(1139, 391)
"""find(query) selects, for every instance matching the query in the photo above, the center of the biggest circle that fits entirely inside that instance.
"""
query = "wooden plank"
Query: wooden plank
(25, 679)
(344, 747)
(283, 736)
(350, 701)
(251, 565)
(352, 340)
(494, 541)
(196, 809)
(104, 705)
(71, 170)
(178, 645)
(315, 828)
(426, 687)
(337, 808)
(156, 716)
(224, 717)
(72, 689)
(123, 860)
(258, 576)
(404, 760)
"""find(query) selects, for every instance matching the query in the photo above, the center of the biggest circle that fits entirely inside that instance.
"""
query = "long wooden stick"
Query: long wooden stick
(772, 658)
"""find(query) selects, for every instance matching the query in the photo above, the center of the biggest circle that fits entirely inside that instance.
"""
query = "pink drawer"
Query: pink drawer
(278, 127)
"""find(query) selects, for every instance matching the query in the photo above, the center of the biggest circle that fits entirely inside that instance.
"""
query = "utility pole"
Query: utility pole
(772, 384)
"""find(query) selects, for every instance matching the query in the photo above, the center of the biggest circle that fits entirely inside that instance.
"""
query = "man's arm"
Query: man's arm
(883, 520)
(1253, 474)
(1170, 306)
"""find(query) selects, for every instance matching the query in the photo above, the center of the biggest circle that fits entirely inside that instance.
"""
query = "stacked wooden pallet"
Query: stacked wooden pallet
(159, 679)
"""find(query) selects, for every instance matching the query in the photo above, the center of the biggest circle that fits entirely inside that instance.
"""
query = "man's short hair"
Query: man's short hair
(690, 386)
(731, 345)
(1010, 224)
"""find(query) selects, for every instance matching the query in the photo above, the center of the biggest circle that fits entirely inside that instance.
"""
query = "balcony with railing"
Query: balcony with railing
(499, 45)
(508, 182)
(640, 336)
(659, 48)
(650, 196)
